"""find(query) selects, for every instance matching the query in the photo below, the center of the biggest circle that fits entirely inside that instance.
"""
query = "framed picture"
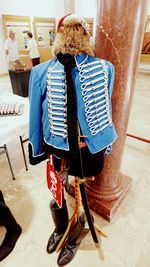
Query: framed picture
(145, 53)
(45, 29)
(90, 22)
(19, 24)
(146, 40)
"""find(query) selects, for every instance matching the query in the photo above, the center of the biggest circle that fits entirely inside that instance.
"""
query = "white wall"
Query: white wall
(85, 8)
(148, 7)
(31, 8)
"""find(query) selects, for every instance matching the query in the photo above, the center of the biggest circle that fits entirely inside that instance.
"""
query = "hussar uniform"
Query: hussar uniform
(93, 83)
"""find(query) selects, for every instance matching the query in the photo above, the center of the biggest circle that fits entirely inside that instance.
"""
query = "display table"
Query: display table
(20, 81)
(13, 126)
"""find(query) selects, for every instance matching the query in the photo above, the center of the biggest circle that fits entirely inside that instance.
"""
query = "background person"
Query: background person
(33, 49)
(13, 229)
(11, 50)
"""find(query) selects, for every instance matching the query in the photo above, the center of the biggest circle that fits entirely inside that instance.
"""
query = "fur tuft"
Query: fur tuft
(72, 39)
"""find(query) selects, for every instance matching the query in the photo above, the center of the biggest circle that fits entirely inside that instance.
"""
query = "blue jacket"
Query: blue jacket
(93, 81)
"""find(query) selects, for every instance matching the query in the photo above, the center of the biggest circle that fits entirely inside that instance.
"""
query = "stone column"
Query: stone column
(119, 34)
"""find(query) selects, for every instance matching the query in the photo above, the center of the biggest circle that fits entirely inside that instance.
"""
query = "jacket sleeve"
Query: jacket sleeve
(111, 75)
(36, 148)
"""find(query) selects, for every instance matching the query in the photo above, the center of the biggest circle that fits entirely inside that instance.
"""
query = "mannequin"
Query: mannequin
(70, 102)
(13, 229)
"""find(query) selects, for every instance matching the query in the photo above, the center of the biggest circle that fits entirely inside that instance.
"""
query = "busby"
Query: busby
(72, 37)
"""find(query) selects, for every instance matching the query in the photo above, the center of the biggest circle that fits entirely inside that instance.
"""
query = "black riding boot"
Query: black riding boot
(13, 231)
(1, 197)
(60, 218)
(73, 241)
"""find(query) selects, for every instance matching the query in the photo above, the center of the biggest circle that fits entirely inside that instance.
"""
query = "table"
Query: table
(12, 127)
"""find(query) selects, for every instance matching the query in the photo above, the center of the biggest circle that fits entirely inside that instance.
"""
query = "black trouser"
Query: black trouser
(91, 164)
(1, 197)
(6, 217)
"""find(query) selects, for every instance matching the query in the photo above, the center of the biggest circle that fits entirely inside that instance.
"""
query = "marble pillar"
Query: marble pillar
(119, 35)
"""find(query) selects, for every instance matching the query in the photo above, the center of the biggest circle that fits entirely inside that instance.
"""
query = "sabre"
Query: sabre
(87, 211)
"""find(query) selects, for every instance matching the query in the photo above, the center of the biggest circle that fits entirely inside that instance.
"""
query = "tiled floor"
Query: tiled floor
(5, 84)
(144, 67)
(128, 242)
